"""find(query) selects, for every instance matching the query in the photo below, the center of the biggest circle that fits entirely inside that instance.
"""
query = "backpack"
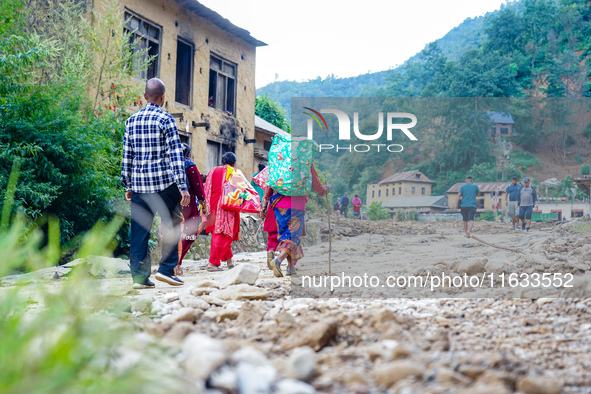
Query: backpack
(345, 201)
(289, 165)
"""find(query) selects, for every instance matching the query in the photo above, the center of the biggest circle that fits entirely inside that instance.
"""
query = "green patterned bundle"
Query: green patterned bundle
(289, 165)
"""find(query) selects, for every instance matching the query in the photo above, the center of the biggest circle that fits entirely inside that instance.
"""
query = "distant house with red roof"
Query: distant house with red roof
(400, 184)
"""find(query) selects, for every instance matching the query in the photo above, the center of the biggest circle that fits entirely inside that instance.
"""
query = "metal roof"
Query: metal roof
(416, 202)
(220, 21)
(500, 117)
(262, 124)
(485, 187)
(406, 176)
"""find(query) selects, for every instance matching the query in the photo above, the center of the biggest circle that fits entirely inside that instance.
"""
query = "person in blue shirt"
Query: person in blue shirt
(511, 201)
(467, 195)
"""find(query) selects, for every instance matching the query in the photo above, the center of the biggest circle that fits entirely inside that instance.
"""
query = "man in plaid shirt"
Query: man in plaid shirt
(153, 174)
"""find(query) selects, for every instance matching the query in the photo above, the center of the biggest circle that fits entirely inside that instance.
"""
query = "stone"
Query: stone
(225, 379)
(538, 385)
(482, 388)
(255, 378)
(189, 301)
(142, 304)
(387, 374)
(495, 266)
(207, 283)
(241, 292)
(251, 313)
(292, 386)
(471, 267)
(316, 335)
(203, 355)
(450, 377)
(250, 355)
(388, 350)
(242, 273)
(179, 331)
(224, 314)
(106, 267)
(187, 314)
(301, 364)
(284, 318)
(213, 300)
(170, 297)
(200, 291)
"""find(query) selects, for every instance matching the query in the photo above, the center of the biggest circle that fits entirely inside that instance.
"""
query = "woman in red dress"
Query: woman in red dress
(224, 225)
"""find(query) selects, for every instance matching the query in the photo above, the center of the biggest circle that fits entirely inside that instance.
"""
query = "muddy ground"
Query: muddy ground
(244, 330)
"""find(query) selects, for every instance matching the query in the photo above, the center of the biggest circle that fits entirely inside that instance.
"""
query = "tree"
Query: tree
(585, 169)
(375, 211)
(271, 112)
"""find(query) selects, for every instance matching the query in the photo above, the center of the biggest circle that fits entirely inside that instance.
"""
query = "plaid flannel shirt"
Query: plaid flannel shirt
(152, 152)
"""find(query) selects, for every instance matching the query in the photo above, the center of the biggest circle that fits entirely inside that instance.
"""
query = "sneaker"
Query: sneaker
(291, 271)
(523, 227)
(512, 228)
(527, 229)
(148, 285)
(276, 265)
(270, 257)
(171, 280)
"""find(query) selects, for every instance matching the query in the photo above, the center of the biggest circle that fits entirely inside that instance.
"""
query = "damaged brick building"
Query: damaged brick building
(208, 66)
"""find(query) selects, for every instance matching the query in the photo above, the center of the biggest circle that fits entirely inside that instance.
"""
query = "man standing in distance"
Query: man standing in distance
(526, 199)
(467, 194)
(153, 174)
(511, 201)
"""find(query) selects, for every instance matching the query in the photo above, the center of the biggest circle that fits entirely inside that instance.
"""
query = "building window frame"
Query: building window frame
(222, 72)
(184, 82)
(143, 31)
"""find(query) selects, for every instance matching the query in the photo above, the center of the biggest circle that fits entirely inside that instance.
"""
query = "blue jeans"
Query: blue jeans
(143, 208)
(525, 212)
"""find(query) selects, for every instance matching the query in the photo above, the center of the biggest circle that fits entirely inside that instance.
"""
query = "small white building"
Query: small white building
(566, 209)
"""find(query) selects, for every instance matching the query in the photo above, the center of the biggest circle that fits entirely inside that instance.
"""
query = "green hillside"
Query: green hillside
(468, 34)
(530, 48)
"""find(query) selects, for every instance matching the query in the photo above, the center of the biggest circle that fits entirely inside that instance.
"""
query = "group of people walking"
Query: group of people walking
(342, 206)
(159, 176)
(520, 201)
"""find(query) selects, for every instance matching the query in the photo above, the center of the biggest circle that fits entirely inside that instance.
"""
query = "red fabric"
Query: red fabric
(316, 184)
(184, 249)
(190, 212)
(221, 248)
(219, 220)
(270, 226)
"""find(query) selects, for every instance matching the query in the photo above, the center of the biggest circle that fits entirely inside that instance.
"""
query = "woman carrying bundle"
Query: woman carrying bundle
(289, 212)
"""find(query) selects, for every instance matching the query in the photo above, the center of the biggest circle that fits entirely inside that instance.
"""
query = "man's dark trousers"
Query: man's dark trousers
(143, 208)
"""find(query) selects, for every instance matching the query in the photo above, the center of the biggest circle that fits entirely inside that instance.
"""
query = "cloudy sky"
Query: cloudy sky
(311, 38)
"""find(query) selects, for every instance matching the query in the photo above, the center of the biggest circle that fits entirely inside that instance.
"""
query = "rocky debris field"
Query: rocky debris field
(244, 331)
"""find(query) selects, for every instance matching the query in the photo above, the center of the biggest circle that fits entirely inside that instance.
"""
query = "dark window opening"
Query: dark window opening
(504, 131)
(143, 37)
(373, 194)
(422, 190)
(215, 151)
(399, 191)
(417, 176)
(222, 85)
(267, 145)
(393, 191)
(387, 191)
(480, 203)
(379, 193)
(412, 190)
(184, 72)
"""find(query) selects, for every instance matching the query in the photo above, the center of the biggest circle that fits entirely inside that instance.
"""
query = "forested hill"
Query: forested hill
(528, 48)
(467, 35)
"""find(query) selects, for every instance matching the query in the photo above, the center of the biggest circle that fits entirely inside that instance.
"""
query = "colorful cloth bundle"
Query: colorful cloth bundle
(238, 194)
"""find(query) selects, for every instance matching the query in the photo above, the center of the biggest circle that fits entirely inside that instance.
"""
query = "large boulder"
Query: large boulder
(243, 273)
